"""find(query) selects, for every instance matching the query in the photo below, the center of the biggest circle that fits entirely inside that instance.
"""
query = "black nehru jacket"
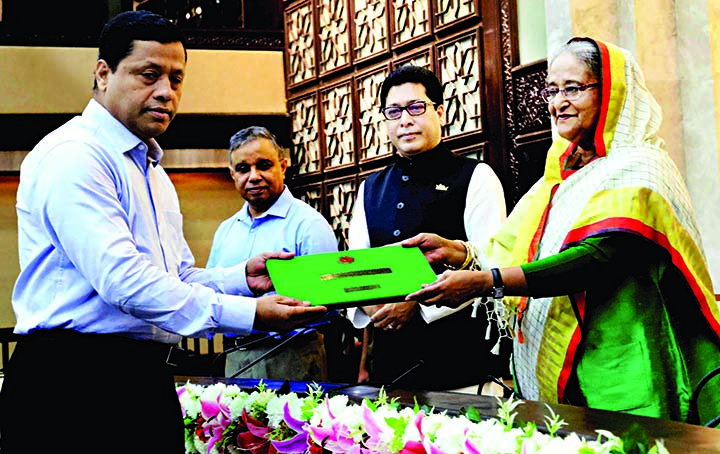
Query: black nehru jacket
(427, 194)
(424, 194)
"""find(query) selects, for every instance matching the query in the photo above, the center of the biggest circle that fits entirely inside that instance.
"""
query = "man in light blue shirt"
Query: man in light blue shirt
(271, 220)
(107, 282)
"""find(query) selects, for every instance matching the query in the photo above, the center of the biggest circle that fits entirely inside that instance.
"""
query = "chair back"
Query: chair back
(694, 412)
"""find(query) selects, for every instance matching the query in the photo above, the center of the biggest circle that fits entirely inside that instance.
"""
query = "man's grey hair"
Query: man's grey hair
(253, 133)
(584, 50)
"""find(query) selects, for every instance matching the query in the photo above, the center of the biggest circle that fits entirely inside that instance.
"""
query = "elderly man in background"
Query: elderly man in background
(271, 220)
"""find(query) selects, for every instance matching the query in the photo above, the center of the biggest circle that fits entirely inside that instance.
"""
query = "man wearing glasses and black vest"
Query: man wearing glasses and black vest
(427, 189)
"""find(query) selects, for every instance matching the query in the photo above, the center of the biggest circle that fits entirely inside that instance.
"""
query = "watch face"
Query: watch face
(498, 292)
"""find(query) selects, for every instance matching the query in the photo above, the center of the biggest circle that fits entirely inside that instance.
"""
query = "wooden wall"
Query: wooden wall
(337, 55)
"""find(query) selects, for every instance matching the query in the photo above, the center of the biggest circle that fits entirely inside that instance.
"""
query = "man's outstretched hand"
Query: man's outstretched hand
(438, 250)
(280, 313)
(256, 271)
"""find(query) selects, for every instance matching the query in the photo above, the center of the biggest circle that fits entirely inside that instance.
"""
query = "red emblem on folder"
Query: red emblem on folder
(346, 259)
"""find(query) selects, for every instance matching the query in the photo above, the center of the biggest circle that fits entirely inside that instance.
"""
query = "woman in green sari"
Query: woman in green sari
(612, 305)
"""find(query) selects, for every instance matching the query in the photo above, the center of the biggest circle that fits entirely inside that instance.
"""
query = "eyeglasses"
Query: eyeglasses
(570, 92)
(415, 109)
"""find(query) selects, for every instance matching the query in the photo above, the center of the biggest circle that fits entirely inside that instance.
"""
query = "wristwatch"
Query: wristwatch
(498, 290)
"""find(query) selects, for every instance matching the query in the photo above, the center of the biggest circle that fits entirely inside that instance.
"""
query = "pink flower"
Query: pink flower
(413, 447)
(180, 391)
(333, 435)
(297, 444)
(255, 438)
(217, 418)
(470, 447)
(416, 447)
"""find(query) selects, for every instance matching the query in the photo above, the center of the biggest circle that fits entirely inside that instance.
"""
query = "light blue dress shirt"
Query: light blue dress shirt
(101, 242)
(289, 224)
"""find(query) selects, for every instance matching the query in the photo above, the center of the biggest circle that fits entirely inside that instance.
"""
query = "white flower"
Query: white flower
(237, 404)
(490, 437)
(276, 408)
(190, 401)
(211, 392)
(450, 436)
(201, 446)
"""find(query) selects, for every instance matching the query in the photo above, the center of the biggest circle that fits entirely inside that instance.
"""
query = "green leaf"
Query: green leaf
(471, 413)
(635, 440)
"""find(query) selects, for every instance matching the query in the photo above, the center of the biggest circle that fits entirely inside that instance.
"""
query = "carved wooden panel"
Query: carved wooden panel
(531, 110)
(333, 34)
(311, 194)
(475, 151)
(371, 29)
(357, 42)
(410, 20)
(300, 50)
(423, 58)
(340, 198)
(337, 115)
(449, 11)
(362, 176)
(508, 58)
(459, 71)
(306, 154)
(373, 139)
(530, 134)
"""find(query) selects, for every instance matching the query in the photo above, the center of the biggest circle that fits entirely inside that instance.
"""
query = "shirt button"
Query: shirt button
(142, 147)
(400, 206)
(405, 178)
(396, 233)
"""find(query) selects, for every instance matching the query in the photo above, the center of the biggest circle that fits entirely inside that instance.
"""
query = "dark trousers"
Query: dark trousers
(447, 354)
(87, 393)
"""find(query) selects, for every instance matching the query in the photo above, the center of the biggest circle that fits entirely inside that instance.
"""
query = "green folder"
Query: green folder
(352, 278)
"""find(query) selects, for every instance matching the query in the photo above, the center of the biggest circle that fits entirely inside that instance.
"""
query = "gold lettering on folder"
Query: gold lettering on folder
(329, 277)
(361, 288)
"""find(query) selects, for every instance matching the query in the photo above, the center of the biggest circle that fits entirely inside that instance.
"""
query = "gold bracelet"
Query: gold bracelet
(468, 258)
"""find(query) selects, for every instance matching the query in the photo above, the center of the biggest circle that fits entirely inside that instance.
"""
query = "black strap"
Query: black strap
(498, 285)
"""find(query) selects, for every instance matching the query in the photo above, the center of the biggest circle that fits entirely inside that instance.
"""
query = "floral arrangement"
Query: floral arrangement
(222, 419)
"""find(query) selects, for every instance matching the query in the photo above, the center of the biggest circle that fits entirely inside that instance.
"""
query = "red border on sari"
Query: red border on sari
(567, 368)
(606, 77)
(633, 225)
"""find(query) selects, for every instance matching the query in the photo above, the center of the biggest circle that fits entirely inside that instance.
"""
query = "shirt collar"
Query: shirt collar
(279, 209)
(426, 161)
(120, 138)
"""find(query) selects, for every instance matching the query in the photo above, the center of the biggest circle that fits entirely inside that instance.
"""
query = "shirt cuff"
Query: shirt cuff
(433, 313)
(237, 314)
(358, 318)
(235, 280)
